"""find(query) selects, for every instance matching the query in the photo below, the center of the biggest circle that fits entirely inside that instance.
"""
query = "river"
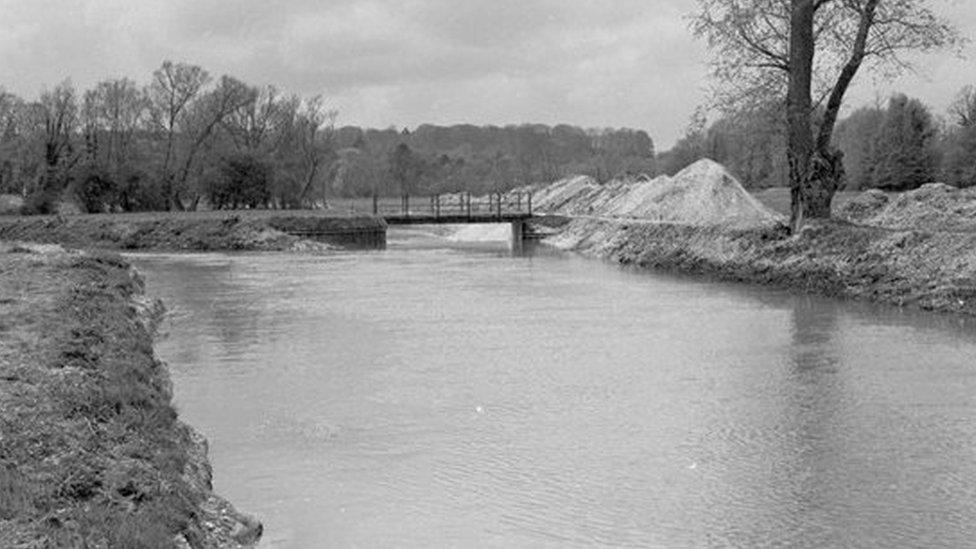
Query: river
(445, 393)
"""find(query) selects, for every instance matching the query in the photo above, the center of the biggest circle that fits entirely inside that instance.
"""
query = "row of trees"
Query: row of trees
(898, 146)
(165, 145)
(186, 140)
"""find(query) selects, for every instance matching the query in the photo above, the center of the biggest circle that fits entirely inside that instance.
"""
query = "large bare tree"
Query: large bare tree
(174, 88)
(198, 125)
(808, 53)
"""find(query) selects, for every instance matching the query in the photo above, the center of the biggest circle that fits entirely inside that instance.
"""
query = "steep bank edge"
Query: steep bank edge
(93, 452)
(247, 230)
(929, 270)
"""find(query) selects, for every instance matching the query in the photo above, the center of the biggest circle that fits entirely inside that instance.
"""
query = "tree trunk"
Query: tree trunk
(825, 171)
(800, 145)
(816, 168)
(824, 175)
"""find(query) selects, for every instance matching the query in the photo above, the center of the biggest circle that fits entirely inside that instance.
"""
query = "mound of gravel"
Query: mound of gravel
(570, 196)
(703, 194)
(932, 207)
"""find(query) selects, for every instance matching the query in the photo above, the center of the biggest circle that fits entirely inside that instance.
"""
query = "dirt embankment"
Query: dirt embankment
(914, 249)
(92, 453)
(195, 231)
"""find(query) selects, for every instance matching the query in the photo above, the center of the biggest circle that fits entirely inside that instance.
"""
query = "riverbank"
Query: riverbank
(247, 230)
(92, 452)
(916, 249)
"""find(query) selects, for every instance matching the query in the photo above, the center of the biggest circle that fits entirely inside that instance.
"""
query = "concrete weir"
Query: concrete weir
(518, 235)
(362, 231)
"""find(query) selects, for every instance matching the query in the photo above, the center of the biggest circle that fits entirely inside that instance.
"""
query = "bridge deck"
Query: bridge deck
(453, 218)
(455, 208)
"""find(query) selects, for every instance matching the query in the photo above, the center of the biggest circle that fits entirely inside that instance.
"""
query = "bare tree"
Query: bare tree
(198, 124)
(314, 131)
(173, 88)
(111, 113)
(963, 107)
(56, 116)
(254, 126)
(12, 142)
(808, 52)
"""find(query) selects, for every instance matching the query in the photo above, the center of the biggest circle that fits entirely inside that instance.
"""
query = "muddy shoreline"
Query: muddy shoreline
(93, 453)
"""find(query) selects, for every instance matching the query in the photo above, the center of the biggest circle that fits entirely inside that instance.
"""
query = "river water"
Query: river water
(444, 393)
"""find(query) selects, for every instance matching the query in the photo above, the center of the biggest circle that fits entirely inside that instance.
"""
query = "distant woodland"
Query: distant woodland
(187, 140)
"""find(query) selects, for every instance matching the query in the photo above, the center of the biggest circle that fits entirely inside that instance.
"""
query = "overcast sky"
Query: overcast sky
(600, 63)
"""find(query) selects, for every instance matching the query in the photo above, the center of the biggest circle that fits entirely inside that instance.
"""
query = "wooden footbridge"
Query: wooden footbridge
(444, 209)
(454, 209)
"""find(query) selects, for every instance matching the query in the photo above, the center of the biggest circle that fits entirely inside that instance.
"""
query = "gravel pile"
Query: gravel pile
(704, 194)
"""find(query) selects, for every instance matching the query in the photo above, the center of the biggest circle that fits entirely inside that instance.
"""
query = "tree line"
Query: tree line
(896, 146)
(183, 138)
(186, 140)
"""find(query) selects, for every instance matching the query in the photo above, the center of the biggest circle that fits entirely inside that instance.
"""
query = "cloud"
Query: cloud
(404, 62)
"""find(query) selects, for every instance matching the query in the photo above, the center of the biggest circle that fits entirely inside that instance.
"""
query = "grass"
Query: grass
(16, 493)
(92, 452)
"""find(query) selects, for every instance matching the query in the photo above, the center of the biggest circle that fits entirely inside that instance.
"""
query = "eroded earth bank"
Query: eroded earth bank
(92, 453)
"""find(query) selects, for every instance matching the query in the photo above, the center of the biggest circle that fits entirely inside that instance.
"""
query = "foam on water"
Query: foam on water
(481, 232)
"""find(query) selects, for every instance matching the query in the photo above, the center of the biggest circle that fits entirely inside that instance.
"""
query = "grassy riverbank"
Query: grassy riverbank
(913, 249)
(933, 271)
(92, 453)
(252, 230)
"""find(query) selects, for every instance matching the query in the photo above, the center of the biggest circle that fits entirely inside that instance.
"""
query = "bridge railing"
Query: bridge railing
(453, 205)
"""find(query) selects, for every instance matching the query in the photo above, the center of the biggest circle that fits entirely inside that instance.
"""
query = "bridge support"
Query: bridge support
(518, 235)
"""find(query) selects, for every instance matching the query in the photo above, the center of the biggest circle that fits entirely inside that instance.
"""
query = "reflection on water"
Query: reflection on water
(445, 393)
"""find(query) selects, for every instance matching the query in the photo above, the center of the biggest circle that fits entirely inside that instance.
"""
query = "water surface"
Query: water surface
(443, 393)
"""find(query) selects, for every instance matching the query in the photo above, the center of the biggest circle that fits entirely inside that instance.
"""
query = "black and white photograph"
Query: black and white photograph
(315, 274)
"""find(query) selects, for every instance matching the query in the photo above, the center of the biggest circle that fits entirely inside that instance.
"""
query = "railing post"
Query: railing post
(518, 198)
(469, 205)
(437, 204)
(406, 205)
(376, 206)
(499, 205)
(530, 202)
